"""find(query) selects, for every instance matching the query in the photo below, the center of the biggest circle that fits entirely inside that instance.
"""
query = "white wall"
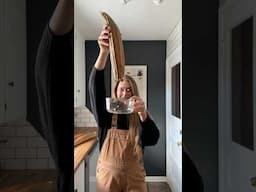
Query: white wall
(79, 69)
(173, 124)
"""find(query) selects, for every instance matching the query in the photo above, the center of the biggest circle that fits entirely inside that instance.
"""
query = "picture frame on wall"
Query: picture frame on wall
(176, 90)
(139, 74)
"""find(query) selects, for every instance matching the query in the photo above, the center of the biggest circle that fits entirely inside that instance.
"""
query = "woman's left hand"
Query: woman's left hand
(139, 107)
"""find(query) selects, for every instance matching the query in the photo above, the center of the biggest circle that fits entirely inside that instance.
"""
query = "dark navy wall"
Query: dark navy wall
(200, 87)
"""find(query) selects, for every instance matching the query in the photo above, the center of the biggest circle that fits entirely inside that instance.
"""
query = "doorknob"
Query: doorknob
(3, 140)
(11, 84)
(179, 143)
(253, 181)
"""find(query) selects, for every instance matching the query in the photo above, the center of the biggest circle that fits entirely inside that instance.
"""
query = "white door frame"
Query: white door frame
(173, 132)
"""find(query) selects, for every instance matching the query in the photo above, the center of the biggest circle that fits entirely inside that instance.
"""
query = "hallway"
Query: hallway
(43, 181)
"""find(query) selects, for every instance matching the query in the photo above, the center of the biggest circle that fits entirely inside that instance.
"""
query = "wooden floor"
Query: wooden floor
(158, 187)
(28, 181)
(45, 181)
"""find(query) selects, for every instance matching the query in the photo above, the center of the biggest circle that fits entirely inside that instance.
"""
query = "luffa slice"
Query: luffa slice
(116, 48)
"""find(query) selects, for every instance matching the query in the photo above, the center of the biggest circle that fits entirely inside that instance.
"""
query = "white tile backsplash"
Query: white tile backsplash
(26, 149)
(7, 153)
(7, 131)
(3, 142)
(26, 131)
(83, 117)
(37, 163)
(14, 164)
(84, 120)
(26, 153)
(16, 142)
(43, 153)
(22, 147)
(36, 142)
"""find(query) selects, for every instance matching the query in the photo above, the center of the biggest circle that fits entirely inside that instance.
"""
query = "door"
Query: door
(79, 69)
(15, 26)
(173, 120)
(2, 64)
(237, 96)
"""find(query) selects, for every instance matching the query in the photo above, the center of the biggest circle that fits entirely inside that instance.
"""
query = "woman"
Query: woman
(122, 137)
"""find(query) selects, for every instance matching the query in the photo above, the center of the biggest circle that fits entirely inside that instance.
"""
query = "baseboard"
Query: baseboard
(148, 179)
(156, 179)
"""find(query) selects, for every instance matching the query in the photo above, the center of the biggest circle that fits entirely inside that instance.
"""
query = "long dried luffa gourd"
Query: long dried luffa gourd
(116, 48)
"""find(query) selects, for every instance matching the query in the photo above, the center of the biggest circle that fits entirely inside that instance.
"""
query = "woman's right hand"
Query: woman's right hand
(103, 39)
(103, 42)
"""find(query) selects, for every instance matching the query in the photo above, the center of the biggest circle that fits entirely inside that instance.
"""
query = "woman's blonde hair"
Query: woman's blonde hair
(134, 118)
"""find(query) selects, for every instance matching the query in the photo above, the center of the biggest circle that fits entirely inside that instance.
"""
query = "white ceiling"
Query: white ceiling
(137, 20)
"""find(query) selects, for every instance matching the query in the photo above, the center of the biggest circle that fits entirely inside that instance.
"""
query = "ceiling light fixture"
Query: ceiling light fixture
(124, 1)
(157, 2)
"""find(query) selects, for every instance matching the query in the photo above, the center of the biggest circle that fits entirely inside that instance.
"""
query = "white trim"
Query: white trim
(220, 100)
(148, 179)
(156, 179)
(175, 39)
(92, 179)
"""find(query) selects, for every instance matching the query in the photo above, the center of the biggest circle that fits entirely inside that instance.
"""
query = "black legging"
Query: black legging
(191, 179)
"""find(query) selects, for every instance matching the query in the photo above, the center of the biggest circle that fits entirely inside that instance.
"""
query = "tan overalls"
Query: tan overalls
(118, 168)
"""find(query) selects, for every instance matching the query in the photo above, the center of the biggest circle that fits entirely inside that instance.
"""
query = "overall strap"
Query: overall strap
(114, 121)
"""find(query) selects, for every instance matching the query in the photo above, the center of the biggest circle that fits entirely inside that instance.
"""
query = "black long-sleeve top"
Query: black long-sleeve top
(149, 133)
(53, 80)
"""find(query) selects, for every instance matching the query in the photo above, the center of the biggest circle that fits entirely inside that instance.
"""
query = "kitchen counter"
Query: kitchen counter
(84, 141)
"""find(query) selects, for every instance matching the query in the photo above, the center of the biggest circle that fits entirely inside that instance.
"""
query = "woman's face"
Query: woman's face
(124, 90)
